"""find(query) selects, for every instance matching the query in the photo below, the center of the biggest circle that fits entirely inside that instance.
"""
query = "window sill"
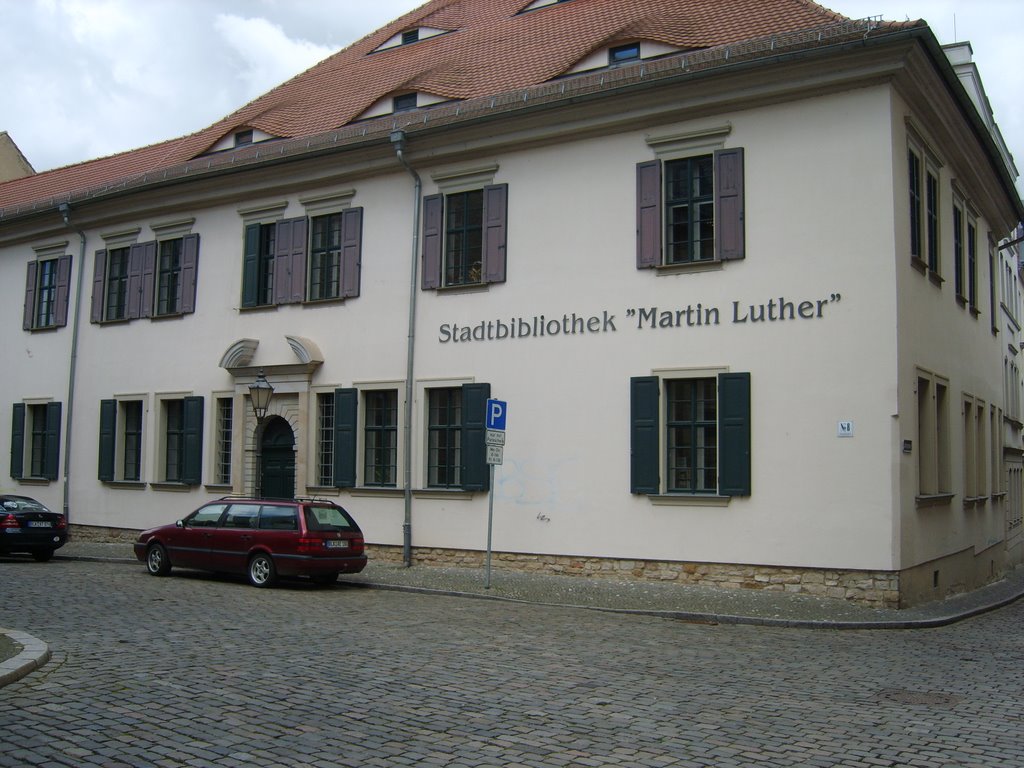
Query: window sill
(935, 278)
(687, 500)
(33, 481)
(918, 264)
(166, 486)
(368, 491)
(934, 500)
(961, 300)
(975, 312)
(321, 302)
(258, 308)
(443, 493)
(167, 316)
(974, 501)
(114, 321)
(714, 265)
(222, 488)
(131, 485)
(467, 288)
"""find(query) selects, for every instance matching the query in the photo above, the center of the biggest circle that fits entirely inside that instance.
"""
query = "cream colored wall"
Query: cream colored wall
(938, 335)
(819, 223)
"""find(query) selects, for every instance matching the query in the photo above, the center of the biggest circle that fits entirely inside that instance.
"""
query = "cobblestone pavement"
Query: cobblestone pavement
(196, 670)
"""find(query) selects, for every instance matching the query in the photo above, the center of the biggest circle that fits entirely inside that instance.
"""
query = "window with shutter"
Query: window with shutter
(465, 237)
(690, 210)
(699, 432)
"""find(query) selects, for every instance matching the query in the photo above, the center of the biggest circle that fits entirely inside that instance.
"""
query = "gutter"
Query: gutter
(398, 140)
(65, 212)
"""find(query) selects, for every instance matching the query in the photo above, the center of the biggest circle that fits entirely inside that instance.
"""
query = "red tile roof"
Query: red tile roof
(491, 47)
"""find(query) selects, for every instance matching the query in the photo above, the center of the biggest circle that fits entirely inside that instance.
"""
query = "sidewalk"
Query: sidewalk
(685, 603)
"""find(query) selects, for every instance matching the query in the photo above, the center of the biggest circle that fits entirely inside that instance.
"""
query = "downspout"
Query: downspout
(65, 212)
(398, 140)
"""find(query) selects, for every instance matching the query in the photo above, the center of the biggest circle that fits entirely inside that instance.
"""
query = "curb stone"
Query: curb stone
(34, 654)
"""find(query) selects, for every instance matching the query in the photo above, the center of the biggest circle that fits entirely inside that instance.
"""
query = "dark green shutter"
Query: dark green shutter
(18, 441)
(99, 279)
(734, 434)
(644, 435)
(346, 419)
(108, 439)
(192, 458)
(250, 266)
(476, 473)
(51, 459)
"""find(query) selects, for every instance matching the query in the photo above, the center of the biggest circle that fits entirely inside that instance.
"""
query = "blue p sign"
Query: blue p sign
(496, 410)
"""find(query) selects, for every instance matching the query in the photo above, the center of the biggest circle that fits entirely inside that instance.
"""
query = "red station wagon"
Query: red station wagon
(263, 539)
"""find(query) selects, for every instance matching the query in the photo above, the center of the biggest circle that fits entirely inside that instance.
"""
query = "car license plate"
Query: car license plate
(343, 544)
(40, 524)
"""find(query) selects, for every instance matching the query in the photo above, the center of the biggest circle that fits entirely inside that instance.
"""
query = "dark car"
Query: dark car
(27, 526)
(260, 538)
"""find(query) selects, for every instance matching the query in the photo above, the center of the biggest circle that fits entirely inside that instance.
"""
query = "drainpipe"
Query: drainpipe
(398, 140)
(65, 212)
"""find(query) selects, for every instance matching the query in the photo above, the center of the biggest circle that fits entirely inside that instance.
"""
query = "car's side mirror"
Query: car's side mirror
(180, 523)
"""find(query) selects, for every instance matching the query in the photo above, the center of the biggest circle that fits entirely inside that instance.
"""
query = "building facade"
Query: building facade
(744, 300)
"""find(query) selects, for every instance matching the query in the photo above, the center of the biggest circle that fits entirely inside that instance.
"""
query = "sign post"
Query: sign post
(494, 439)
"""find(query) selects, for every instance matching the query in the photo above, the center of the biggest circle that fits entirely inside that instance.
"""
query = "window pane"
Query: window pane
(464, 237)
(168, 276)
(381, 438)
(175, 437)
(325, 458)
(690, 210)
(444, 440)
(691, 431)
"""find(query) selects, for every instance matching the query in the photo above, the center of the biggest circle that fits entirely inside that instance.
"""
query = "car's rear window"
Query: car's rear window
(276, 518)
(24, 505)
(328, 519)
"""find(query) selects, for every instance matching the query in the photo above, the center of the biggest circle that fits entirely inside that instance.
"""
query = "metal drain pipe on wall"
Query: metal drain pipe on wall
(65, 212)
(398, 140)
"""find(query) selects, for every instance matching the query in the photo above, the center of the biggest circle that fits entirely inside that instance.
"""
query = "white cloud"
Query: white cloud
(266, 56)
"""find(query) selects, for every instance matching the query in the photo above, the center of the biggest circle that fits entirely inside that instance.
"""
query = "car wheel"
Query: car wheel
(42, 555)
(324, 579)
(156, 560)
(262, 572)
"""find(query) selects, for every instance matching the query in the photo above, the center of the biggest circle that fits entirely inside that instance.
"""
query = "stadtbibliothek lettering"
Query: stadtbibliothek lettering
(699, 315)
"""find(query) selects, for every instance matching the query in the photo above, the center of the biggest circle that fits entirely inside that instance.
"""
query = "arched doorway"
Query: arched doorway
(277, 451)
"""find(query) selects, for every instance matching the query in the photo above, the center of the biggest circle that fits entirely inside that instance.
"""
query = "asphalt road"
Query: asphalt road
(196, 670)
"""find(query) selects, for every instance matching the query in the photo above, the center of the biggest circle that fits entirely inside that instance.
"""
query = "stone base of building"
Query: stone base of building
(877, 589)
(935, 580)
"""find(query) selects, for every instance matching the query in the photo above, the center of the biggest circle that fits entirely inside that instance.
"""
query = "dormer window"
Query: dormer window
(410, 36)
(541, 4)
(243, 137)
(623, 54)
(404, 103)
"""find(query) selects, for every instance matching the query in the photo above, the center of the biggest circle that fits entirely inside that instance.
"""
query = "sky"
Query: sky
(88, 78)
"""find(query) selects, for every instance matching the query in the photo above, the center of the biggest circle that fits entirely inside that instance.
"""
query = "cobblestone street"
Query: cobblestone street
(203, 671)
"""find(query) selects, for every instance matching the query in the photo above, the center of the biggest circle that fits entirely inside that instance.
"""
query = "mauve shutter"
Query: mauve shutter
(644, 435)
(135, 280)
(346, 417)
(476, 473)
(648, 214)
(189, 273)
(734, 434)
(297, 259)
(30, 296)
(250, 266)
(433, 236)
(63, 291)
(99, 277)
(192, 458)
(351, 251)
(148, 278)
(108, 441)
(729, 237)
(495, 232)
(290, 261)
(51, 438)
(18, 441)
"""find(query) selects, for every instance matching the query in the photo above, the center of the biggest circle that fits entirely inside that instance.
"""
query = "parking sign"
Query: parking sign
(496, 411)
